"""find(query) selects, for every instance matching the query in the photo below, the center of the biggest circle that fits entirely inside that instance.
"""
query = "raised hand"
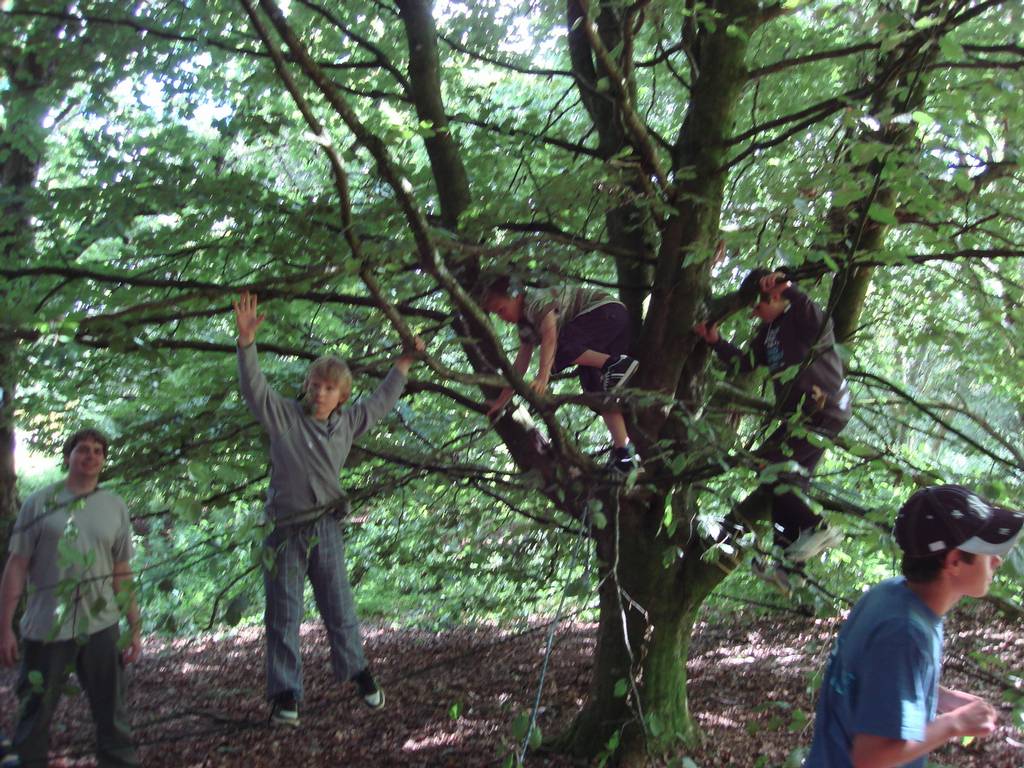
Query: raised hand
(411, 354)
(416, 351)
(246, 318)
(774, 284)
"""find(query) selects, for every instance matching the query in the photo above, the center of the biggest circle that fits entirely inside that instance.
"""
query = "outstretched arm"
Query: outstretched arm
(246, 318)
(368, 411)
(548, 345)
(728, 353)
(269, 408)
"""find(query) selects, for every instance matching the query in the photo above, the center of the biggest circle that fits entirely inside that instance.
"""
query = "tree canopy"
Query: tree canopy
(359, 165)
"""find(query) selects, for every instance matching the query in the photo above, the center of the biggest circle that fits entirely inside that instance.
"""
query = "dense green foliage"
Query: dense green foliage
(155, 163)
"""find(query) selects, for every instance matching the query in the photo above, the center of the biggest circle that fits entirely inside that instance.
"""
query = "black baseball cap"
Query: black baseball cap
(944, 517)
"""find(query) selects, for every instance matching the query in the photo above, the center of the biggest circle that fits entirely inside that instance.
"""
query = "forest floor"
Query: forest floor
(452, 697)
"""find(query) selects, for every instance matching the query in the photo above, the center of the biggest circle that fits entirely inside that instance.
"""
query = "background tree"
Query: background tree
(362, 162)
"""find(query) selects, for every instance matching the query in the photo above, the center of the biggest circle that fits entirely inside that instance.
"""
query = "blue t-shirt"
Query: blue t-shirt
(882, 676)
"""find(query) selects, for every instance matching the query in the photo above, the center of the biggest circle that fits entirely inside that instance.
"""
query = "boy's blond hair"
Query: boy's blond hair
(329, 367)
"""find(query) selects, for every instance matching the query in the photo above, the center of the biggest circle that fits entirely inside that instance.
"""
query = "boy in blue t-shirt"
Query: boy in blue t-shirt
(881, 703)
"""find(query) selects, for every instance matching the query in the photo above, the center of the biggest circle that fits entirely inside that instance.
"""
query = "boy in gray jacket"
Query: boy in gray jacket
(309, 443)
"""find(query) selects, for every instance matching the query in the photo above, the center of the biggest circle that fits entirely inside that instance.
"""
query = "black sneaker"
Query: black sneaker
(616, 372)
(623, 460)
(8, 757)
(284, 710)
(371, 693)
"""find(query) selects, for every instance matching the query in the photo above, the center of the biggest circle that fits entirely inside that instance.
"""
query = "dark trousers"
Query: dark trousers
(97, 664)
(790, 513)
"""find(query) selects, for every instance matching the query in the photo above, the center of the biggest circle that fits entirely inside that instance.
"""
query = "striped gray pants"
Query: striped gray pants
(316, 548)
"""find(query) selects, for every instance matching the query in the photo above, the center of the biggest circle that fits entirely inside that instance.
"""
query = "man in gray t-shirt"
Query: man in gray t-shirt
(72, 548)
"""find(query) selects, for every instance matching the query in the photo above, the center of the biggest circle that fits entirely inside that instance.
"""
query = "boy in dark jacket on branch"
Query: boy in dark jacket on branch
(794, 332)
(572, 325)
(309, 443)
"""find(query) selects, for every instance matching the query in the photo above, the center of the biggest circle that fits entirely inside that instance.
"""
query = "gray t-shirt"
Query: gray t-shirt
(71, 543)
(568, 301)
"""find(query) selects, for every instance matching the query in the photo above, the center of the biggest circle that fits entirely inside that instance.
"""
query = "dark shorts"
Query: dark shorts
(605, 329)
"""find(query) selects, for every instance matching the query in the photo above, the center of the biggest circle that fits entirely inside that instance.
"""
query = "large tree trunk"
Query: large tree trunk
(648, 608)
(21, 147)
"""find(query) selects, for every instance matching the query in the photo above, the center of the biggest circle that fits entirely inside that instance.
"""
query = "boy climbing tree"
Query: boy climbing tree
(814, 405)
(310, 440)
(572, 325)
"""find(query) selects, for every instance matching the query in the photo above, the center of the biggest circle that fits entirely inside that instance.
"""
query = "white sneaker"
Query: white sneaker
(811, 543)
(371, 693)
(284, 710)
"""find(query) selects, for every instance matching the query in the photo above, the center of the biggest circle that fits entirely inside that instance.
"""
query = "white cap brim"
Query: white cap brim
(978, 546)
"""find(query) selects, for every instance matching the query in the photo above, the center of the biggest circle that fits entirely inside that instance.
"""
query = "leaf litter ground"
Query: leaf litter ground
(452, 697)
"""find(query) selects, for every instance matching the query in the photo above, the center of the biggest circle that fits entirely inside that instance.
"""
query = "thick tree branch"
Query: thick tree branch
(796, 61)
(446, 164)
(619, 83)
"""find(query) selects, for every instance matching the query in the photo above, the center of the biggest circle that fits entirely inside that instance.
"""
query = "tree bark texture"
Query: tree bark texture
(649, 603)
(21, 147)
(425, 77)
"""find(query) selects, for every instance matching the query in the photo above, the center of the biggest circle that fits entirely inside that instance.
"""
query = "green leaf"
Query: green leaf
(536, 739)
(881, 214)
(950, 48)
(654, 725)
(621, 686)
(923, 119)
(455, 711)
(732, 30)
(520, 725)
(35, 679)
